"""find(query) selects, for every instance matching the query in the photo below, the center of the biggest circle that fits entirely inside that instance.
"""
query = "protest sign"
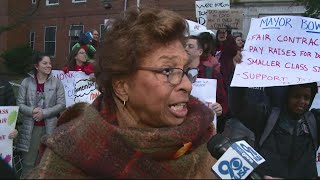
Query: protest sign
(85, 90)
(195, 28)
(217, 19)
(8, 119)
(77, 86)
(203, 6)
(280, 50)
(205, 90)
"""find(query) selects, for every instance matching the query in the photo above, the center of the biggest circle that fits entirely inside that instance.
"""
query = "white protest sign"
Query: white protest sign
(203, 6)
(85, 90)
(205, 90)
(70, 81)
(196, 28)
(8, 119)
(280, 50)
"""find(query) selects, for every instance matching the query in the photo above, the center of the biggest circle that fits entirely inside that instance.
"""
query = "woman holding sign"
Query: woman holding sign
(41, 98)
(144, 125)
(77, 61)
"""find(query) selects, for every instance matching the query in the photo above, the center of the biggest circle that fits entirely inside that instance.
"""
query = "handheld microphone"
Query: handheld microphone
(235, 160)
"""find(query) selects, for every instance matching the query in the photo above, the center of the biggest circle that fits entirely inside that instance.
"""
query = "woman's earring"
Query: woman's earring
(124, 103)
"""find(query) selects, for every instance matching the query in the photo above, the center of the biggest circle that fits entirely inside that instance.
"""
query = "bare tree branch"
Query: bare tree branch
(21, 19)
(312, 8)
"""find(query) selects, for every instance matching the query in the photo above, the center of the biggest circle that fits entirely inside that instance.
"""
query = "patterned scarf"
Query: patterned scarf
(93, 143)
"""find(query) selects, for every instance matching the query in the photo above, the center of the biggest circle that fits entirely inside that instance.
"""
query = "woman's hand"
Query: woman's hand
(217, 108)
(237, 59)
(92, 77)
(13, 134)
(37, 114)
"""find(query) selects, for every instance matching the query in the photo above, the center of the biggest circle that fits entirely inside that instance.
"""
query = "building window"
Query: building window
(50, 40)
(79, 1)
(33, 1)
(52, 2)
(74, 34)
(102, 30)
(31, 39)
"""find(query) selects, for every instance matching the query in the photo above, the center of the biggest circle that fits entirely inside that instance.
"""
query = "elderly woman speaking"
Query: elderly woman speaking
(145, 124)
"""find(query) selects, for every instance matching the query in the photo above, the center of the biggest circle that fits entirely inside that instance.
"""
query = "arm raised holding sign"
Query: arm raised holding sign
(283, 50)
(282, 136)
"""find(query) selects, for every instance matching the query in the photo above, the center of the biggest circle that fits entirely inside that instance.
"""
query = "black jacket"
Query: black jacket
(289, 152)
(7, 97)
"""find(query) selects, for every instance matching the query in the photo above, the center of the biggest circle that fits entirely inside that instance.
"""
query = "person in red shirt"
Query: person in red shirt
(77, 61)
(41, 98)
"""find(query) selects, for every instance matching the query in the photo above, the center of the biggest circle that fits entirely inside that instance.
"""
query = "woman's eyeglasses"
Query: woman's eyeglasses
(82, 52)
(174, 75)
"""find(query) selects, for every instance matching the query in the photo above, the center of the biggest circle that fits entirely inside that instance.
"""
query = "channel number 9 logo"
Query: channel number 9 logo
(234, 168)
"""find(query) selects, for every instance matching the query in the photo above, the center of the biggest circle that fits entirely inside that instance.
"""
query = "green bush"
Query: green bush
(19, 59)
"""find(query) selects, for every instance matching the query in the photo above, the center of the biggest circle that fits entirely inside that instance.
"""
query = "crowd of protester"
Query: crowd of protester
(145, 124)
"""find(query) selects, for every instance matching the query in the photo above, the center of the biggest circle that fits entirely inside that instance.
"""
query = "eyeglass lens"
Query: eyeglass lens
(177, 74)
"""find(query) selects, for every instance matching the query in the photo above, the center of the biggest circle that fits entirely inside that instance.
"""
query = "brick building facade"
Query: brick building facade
(10, 11)
(49, 28)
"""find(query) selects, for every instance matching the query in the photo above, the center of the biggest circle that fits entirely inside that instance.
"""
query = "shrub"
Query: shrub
(19, 59)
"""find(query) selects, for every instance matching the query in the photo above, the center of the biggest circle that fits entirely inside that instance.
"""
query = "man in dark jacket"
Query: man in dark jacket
(7, 97)
(286, 136)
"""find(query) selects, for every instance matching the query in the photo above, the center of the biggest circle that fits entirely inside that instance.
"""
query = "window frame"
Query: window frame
(32, 40)
(100, 33)
(54, 4)
(79, 1)
(70, 36)
(55, 40)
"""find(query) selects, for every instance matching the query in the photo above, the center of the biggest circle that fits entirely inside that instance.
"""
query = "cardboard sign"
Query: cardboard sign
(217, 19)
(8, 119)
(280, 50)
(203, 6)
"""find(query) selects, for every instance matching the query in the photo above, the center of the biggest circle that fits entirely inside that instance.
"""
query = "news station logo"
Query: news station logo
(237, 162)
(234, 168)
